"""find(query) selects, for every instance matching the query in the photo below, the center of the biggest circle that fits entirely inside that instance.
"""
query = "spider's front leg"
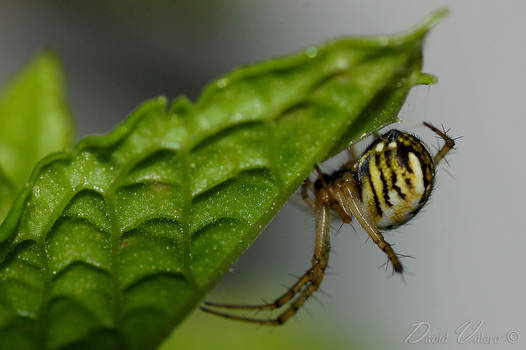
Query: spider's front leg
(346, 193)
(448, 145)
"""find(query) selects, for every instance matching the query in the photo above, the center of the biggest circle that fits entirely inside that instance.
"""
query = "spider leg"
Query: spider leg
(346, 193)
(448, 145)
(305, 194)
(280, 301)
(346, 219)
(307, 284)
(352, 154)
(353, 158)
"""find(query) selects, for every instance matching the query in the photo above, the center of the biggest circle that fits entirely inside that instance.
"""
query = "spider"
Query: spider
(383, 189)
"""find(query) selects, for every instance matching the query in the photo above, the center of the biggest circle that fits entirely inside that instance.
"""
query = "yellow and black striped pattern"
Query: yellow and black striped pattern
(396, 175)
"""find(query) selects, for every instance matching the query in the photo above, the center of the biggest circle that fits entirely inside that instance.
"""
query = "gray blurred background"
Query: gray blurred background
(468, 243)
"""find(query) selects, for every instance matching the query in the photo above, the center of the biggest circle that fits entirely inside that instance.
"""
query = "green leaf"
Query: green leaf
(7, 194)
(114, 243)
(34, 122)
(303, 335)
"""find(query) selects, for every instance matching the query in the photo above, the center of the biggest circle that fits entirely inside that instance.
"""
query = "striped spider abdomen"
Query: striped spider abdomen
(395, 176)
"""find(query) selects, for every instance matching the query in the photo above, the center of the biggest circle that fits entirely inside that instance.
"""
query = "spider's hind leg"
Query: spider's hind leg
(305, 286)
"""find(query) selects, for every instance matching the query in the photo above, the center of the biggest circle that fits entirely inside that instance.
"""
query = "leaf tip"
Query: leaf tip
(48, 53)
(418, 32)
(433, 18)
(48, 59)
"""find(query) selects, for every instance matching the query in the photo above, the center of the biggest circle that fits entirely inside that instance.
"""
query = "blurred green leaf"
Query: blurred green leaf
(34, 122)
(7, 194)
(312, 329)
(114, 243)
(242, 336)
